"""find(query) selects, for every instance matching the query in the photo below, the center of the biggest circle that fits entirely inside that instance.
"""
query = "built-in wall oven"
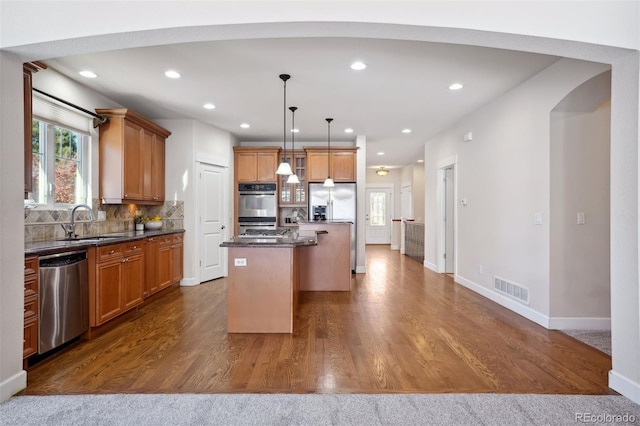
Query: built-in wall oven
(257, 206)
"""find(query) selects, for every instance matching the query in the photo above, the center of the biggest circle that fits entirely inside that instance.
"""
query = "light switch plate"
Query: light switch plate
(581, 218)
(537, 219)
(240, 261)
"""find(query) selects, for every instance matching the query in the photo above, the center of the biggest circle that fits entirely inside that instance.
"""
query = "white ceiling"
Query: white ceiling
(405, 85)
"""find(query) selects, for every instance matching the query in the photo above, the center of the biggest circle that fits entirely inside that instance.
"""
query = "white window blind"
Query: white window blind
(52, 112)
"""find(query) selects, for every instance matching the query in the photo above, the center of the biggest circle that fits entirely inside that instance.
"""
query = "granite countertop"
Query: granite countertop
(59, 246)
(328, 222)
(292, 240)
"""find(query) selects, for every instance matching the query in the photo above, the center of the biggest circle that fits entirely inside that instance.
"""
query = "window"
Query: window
(377, 215)
(60, 147)
(59, 165)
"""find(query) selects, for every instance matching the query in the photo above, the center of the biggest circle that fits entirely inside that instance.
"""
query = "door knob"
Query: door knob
(222, 227)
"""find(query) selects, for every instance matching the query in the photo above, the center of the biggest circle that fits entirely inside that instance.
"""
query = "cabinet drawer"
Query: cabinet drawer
(165, 240)
(177, 238)
(30, 266)
(30, 342)
(132, 248)
(109, 252)
(31, 287)
(30, 308)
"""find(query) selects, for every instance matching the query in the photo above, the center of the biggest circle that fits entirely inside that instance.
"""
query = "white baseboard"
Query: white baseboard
(361, 270)
(624, 386)
(189, 282)
(395, 247)
(430, 265)
(516, 307)
(13, 385)
(570, 323)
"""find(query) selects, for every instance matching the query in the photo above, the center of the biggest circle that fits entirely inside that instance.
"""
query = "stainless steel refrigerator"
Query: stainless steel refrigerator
(340, 202)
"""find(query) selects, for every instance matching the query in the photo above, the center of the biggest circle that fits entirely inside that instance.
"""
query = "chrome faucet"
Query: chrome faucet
(70, 228)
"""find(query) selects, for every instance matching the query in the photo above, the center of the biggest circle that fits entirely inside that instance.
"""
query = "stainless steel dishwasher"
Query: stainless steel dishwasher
(64, 299)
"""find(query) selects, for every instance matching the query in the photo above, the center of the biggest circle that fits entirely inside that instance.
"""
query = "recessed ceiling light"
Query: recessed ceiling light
(209, 106)
(358, 66)
(381, 153)
(88, 74)
(295, 130)
(172, 74)
(456, 86)
(420, 161)
(348, 130)
(245, 125)
(406, 130)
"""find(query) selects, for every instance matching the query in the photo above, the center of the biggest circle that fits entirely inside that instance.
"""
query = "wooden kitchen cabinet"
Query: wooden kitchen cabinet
(295, 193)
(132, 158)
(255, 164)
(163, 262)
(343, 164)
(30, 339)
(119, 280)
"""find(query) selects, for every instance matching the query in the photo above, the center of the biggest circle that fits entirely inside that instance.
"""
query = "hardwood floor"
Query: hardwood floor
(402, 328)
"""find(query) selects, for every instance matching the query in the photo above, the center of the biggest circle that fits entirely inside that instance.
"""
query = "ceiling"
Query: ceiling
(405, 85)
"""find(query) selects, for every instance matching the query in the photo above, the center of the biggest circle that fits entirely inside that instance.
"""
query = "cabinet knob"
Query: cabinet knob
(135, 247)
(112, 251)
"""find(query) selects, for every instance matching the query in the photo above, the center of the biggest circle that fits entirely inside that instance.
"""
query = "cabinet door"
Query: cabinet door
(176, 263)
(151, 267)
(108, 290)
(146, 158)
(267, 164)
(157, 169)
(132, 282)
(30, 341)
(246, 166)
(317, 167)
(343, 166)
(165, 274)
(133, 179)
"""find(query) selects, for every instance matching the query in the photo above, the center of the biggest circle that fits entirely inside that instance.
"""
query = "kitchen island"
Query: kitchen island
(264, 282)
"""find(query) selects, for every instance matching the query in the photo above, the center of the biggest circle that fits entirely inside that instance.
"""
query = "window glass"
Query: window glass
(59, 165)
(377, 203)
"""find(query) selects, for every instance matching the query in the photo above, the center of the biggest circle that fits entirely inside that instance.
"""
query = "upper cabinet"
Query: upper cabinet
(132, 159)
(295, 193)
(343, 164)
(255, 164)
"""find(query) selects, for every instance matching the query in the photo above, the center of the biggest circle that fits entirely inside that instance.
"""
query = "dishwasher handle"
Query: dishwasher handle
(62, 259)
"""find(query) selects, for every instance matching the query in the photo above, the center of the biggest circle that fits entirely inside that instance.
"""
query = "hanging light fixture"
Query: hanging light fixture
(293, 178)
(328, 181)
(382, 171)
(284, 168)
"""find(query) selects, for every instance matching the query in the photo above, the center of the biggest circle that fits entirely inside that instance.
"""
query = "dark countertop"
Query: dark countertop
(327, 222)
(287, 242)
(58, 246)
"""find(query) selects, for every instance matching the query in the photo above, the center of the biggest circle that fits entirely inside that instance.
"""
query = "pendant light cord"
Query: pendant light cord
(284, 78)
(329, 120)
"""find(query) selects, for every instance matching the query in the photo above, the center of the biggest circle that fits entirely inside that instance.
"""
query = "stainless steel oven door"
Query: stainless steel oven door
(254, 204)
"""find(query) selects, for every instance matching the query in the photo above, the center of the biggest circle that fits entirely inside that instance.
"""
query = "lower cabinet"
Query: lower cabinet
(30, 340)
(119, 279)
(163, 262)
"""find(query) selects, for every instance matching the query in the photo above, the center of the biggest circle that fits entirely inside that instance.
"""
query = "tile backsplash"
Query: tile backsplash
(41, 224)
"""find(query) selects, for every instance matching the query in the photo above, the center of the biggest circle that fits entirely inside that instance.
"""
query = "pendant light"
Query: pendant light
(328, 181)
(284, 168)
(293, 178)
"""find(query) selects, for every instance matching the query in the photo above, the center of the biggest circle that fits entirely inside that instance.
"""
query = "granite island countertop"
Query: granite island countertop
(37, 248)
(281, 242)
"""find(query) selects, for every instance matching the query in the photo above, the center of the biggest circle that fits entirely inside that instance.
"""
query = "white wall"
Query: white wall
(12, 377)
(193, 141)
(579, 280)
(491, 24)
(504, 176)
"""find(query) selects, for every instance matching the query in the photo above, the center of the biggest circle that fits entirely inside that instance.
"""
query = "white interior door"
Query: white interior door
(212, 202)
(378, 215)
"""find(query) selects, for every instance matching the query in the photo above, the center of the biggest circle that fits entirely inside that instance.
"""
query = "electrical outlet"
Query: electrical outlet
(240, 261)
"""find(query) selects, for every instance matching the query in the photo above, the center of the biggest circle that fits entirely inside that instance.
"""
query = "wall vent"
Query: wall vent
(511, 289)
